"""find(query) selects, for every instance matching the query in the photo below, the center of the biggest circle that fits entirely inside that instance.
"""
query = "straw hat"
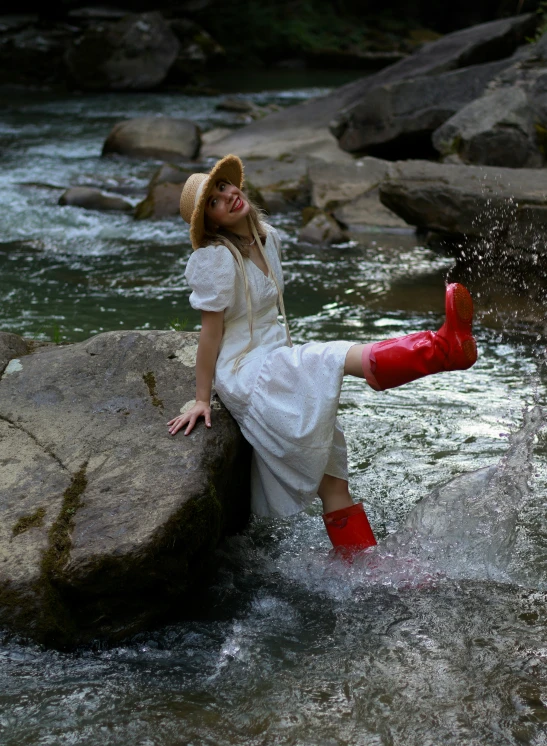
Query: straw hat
(198, 187)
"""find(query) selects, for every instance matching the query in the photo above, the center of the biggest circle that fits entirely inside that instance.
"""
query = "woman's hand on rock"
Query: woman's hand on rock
(189, 418)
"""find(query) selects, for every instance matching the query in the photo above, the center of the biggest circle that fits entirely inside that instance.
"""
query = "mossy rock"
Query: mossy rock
(109, 521)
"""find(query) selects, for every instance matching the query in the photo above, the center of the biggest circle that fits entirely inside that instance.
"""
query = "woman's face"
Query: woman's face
(227, 207)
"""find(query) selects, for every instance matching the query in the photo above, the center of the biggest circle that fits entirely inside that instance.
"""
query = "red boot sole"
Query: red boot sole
(459, 315)
(463, 304)
(469, 349)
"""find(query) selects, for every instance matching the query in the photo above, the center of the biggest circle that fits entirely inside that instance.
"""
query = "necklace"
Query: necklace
(246, 238)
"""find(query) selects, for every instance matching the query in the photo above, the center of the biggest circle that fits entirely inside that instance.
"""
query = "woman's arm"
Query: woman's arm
(212, 329)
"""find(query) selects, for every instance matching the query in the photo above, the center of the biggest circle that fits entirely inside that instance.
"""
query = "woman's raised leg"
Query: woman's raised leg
(397, 361)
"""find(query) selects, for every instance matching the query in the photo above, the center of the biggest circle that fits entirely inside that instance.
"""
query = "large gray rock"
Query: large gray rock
(404, 114)
(350, 192)
(495, 130)
(93, 199)
(304, 129)
(367, 211)
(107, 520)
(133, 54)
(333, 184)
(506, 209)
(154, 137)
(507, 124)
(279, 184)
(161, 201)
(163, 196)
(322, 229)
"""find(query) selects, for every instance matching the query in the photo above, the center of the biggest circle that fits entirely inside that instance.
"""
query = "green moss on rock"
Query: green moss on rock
(150, 380)
(145, 208)
(308, 213)
(57, 553)
(29, 521)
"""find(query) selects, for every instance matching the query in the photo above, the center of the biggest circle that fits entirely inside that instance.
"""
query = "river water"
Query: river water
(439, 636)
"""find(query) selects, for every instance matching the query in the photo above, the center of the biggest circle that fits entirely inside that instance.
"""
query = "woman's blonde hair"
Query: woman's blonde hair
(240, 248)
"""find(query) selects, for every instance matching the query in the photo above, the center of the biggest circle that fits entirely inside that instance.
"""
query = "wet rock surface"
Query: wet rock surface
(495, 130)
(395, 115)
(322, 229)
(278, 184)
(107, 520)
(506, 125)
(162, 200)
(506, 209)
(93, 199)
(154, 137)
(350, 193)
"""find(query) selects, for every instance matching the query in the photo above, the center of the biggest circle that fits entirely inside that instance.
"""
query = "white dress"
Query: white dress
(285, 399)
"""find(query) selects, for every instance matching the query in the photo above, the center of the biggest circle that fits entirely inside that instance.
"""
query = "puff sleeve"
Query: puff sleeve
(211, 273)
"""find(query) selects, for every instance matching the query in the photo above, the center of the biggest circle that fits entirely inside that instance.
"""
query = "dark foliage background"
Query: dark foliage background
(320, 32)
(441, 17)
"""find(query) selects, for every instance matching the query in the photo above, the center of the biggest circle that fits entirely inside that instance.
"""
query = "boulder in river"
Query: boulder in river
(350, 192)
(107, 520)
(163, 138)
(163, 195)
(171, 173)
(93, 199)
(399, 117)
(236, 104)
(278, 184)
(161, 201)
(322, 229)
(507, 124)
(367, 212)
(304, 129)
(503, 208)
(495, 130)
(132, 54)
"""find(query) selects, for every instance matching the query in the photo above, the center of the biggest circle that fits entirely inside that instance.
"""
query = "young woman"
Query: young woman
(285, 397)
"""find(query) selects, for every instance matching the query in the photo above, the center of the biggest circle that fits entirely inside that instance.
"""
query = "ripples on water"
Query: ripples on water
(424, 641)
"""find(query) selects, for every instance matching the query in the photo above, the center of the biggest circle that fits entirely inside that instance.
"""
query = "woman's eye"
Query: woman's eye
(213, 202)
(221, 187)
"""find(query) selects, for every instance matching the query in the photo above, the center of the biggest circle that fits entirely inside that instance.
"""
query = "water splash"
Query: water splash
(466, 529)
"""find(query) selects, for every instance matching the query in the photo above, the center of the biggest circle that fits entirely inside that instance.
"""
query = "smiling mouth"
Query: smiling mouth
(238, 204)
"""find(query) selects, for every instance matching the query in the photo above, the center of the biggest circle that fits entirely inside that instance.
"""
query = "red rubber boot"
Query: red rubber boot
(395, 362)
(349, 529)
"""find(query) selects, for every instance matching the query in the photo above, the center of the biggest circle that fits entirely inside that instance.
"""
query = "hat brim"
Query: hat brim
(229, 168)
